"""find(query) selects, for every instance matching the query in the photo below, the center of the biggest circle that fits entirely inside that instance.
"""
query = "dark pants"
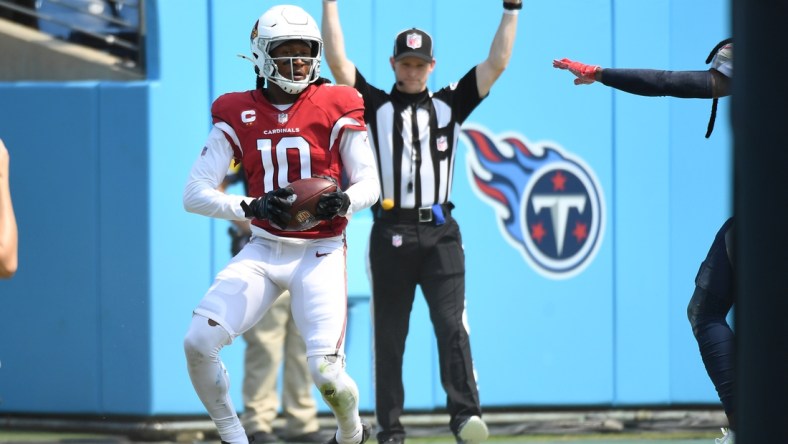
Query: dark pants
(403, 255)
(707, 310)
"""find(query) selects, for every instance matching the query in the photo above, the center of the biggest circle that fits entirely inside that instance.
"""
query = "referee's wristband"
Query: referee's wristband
(512, 6)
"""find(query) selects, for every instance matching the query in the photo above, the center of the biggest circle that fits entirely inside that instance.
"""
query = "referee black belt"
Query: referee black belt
(412, 215)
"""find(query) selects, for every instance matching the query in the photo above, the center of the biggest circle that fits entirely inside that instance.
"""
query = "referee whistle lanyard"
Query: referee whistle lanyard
(414, 102)
(415, 146)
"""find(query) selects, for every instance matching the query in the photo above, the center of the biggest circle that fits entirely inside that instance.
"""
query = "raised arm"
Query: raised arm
(490, 69)
(343, 70)
(651, 82)
(711, 84)
(8, 230)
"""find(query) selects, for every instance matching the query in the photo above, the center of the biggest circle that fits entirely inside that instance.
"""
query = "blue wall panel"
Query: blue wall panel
(54, 296)
(76, 299)
(124, 281)
(641, 35)
(180, 242)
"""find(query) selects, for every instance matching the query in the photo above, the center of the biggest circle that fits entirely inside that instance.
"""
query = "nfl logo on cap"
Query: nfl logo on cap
(413, 41)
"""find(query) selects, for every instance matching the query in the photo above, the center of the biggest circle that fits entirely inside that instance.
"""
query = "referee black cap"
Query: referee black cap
(413, 43)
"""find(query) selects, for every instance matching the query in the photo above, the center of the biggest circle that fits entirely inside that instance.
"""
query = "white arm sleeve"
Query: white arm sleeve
(359, 164)
(201, 195)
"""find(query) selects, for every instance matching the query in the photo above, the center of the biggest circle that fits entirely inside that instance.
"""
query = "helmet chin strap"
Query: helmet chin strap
(245, 57)
(256, 68)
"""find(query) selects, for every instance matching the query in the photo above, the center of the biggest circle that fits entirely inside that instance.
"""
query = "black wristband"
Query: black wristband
(512, 6)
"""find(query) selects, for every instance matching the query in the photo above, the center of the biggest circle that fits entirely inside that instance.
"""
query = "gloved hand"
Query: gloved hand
(273, 206)
(333, 204)
(586, 74)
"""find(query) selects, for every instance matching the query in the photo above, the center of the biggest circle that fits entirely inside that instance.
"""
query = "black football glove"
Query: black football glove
(333, 204)
(273, 206)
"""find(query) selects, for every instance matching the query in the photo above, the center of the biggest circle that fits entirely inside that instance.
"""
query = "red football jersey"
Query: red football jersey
(279, 147)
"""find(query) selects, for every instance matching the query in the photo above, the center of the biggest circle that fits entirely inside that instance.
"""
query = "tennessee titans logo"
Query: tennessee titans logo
(549, 203)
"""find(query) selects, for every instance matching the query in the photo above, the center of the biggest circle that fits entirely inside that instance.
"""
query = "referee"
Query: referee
(415, 240)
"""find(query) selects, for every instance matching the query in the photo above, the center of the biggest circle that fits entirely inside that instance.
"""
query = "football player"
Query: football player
(713, 296)
(294, 125)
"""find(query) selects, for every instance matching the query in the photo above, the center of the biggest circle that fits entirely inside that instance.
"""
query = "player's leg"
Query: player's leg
(707, 311)
(235, 302)
(394, 262)
(262, 360)
(319, 303)
(444, 289)
(298, 404)
(202, 345)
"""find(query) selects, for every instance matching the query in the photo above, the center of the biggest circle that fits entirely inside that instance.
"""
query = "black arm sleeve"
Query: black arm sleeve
(651, 82)
(465, 95)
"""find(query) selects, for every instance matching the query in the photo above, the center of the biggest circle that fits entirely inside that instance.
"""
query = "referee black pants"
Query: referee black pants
(403, 255)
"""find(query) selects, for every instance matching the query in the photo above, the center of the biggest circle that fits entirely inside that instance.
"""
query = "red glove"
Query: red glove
(586, 74)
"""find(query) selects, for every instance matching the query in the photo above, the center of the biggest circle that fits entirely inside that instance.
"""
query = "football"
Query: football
(307, 194)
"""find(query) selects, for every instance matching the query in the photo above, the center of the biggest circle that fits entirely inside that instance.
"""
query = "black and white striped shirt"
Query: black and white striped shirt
(414, 138)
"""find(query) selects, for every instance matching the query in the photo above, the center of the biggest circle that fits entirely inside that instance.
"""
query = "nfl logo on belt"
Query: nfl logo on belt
(414, 41)
(282, 118)
(396, 240)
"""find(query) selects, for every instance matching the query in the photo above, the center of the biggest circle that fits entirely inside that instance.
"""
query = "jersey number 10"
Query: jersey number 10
(288, 161)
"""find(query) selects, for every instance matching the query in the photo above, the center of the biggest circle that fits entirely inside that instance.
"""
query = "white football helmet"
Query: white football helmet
(275, 26)
(723, 60)
(721, 57)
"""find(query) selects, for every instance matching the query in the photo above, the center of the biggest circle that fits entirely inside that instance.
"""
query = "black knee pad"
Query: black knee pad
(696, 306)
(715, 274)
